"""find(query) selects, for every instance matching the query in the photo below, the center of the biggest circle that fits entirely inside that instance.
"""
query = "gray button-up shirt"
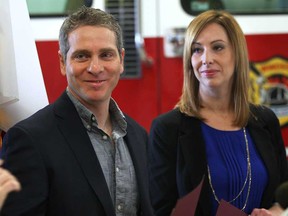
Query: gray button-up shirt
(114, 157)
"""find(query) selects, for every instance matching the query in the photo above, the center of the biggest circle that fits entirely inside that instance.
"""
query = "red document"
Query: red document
(226, 208)
(186, 206)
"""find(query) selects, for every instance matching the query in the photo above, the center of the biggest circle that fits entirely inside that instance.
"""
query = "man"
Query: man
(81, 155)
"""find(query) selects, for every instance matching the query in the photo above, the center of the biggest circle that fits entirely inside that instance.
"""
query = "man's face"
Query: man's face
(93, 65)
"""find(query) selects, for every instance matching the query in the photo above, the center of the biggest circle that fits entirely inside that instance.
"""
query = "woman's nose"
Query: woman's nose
(207, 58)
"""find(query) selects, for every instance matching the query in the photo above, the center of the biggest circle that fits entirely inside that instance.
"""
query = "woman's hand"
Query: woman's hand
(275, 210)
(261, 212)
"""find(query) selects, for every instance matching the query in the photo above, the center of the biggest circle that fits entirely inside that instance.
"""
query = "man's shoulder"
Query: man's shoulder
(40, 117)
(46, 114)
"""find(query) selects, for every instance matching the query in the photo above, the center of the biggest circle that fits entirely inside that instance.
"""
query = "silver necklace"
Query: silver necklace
(248, 177)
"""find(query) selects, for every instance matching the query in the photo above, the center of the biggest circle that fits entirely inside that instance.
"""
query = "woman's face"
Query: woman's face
(213, 59)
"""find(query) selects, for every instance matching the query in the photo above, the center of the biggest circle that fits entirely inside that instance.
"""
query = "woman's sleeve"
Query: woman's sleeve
(162, 167)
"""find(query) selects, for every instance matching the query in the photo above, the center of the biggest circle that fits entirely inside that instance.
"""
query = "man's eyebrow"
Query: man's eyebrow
(81, 51)
(108, 49)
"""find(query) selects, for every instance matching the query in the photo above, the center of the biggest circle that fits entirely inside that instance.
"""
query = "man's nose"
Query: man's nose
(95, 66)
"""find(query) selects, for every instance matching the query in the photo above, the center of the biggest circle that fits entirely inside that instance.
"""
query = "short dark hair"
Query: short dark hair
(86, 16)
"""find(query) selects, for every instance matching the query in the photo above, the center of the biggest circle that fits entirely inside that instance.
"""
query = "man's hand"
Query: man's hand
(8, 183)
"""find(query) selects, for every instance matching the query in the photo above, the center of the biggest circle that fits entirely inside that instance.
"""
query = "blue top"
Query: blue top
(227, 160)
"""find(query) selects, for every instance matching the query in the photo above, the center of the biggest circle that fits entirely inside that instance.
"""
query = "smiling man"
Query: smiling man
(81, 155)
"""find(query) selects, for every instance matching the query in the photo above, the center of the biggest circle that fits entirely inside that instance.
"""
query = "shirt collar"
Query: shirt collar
(88, 118)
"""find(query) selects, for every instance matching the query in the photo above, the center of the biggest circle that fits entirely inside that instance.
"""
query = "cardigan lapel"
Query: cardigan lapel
(192, 148)
(262, 141)
(261, 138)
(74, 132)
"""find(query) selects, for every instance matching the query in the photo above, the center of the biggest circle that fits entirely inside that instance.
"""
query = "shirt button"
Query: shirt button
(93, 118)
(88, 127)
(117, 169)
(105, 137)
(119, 207)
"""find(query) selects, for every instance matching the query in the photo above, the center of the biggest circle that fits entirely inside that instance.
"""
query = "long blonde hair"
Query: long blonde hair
(189, 102)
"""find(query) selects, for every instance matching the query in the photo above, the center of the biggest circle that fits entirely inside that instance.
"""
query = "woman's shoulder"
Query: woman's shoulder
(262, 112)
(173, 119)
(171, 116)
(168, 119)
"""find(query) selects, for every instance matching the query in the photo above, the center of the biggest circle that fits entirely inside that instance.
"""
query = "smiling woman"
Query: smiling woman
(55, 7)
(214, 131)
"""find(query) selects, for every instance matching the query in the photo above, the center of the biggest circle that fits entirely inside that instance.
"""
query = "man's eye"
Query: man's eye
(80, 56)
(107, 54)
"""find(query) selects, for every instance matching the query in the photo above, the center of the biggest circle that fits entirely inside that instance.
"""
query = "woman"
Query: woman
(214, 131)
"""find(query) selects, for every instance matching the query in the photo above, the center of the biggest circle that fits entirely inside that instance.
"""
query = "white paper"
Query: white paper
(22, 89)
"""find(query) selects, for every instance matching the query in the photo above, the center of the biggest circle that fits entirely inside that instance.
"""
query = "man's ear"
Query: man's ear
(122, 59)
(62, 63)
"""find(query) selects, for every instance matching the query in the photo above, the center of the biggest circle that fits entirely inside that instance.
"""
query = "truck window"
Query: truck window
(245, 7)
(48, 8)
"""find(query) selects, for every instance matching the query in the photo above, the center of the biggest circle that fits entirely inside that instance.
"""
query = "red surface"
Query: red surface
(264, 47)
(159, 88)
(55, 83)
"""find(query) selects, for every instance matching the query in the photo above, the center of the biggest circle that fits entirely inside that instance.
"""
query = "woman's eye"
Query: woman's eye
(218, 47)
(196, 50)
